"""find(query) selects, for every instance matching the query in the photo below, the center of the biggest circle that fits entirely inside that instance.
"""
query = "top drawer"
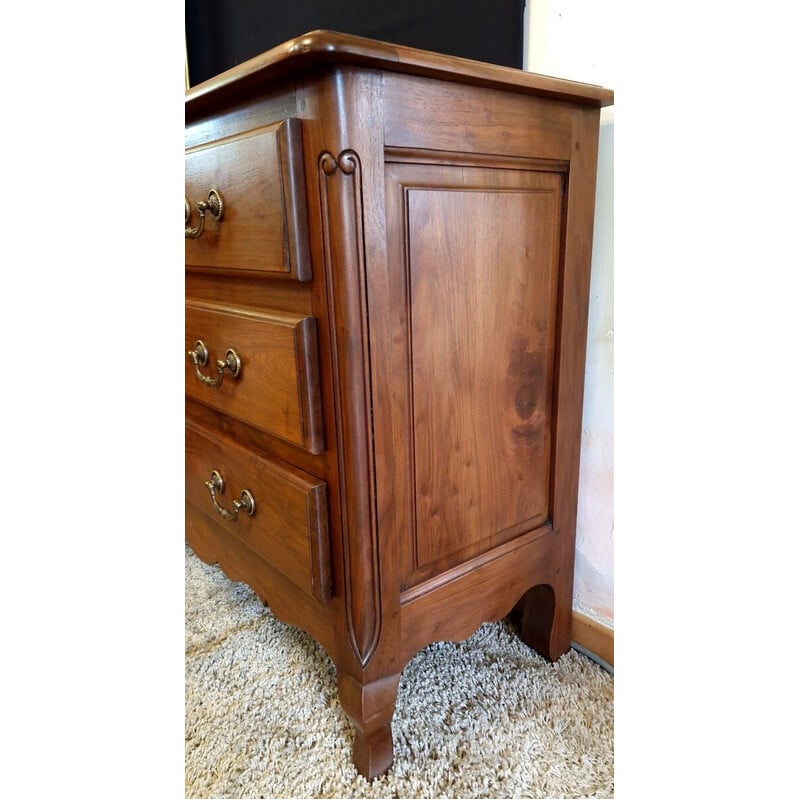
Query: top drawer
(264, 222)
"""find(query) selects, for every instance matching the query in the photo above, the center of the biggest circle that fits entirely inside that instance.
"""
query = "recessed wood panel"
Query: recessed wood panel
(483, 284)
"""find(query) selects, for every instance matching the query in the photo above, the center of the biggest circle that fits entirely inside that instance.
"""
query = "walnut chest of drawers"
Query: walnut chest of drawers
(387, 272)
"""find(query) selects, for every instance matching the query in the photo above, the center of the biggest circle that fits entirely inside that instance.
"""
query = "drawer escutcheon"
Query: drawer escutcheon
(246, 500)
(213, 205)
(199, 356)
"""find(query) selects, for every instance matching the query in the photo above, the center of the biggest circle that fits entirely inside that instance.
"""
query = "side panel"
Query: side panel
(480, 251)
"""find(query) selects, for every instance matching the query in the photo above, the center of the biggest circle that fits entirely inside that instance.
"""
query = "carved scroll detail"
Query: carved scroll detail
(341, 204)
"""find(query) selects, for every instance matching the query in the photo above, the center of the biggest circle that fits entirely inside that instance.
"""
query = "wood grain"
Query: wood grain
(474, 593)
(290, 523)
(449, 210)
(264, 226)
(277, 389)
(214, 544)
(370, 707)
(594, 637)
(483, 297)
(481, 253)
(272, 296)
(277, 103)
(342, 209)
(508, 124)
(318, 49)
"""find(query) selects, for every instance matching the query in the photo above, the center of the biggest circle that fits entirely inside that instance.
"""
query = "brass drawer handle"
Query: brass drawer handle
(213, 205)
(199, 356)
(246, 500)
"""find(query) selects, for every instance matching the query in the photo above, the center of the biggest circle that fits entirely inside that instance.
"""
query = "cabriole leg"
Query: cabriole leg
(370, 708)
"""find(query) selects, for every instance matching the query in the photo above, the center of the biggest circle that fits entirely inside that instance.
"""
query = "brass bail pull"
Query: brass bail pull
(213, 205)
(199, 355)
(245, 502)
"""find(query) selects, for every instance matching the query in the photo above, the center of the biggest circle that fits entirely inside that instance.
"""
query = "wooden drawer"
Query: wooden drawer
(277, 386)
(289, 524)
(264, 224)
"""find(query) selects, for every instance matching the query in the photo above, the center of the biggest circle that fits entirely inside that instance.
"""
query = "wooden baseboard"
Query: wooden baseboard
(594, 637)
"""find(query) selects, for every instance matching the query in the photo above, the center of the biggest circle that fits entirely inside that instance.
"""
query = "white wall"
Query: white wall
(572, 39)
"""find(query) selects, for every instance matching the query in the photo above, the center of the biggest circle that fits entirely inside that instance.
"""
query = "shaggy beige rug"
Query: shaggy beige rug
(487, 717)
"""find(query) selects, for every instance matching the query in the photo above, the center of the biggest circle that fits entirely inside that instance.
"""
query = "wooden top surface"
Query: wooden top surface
(328, 47)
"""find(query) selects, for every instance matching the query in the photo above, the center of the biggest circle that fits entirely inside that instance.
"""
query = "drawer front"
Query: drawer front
(289, 523)
(264, 222)
(277, 386)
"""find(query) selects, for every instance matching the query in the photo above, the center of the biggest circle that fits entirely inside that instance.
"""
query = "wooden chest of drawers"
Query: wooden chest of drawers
(387, 270)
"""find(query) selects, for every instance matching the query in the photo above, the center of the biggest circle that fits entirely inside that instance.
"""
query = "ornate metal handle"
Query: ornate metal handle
(246, 500)
(199, 356)
(213, 205)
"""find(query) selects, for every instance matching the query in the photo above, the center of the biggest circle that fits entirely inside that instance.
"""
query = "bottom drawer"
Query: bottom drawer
(284, 518)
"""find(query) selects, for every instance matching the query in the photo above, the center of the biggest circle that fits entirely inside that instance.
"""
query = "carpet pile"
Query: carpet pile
(486, 717)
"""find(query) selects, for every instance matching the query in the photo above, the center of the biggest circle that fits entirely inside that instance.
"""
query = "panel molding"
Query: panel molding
(342, 211)
(439, 172)
(447, 158)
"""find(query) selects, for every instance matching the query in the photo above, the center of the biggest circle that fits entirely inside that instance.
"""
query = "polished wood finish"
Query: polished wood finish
(317, 48)
(370, 708)
(260, 177)
(510, 123)
(449, 208)
(277, 389)
(215, 545)
(481, 391)
(290, 526)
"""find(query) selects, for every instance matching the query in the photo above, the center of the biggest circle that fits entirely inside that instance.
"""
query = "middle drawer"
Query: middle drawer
(260, 368)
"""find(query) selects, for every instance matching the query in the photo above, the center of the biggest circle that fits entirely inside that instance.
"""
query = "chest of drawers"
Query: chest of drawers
(387, 273)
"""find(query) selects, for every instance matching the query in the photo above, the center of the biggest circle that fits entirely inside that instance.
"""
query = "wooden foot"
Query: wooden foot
(370, 708)
(544, 621)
